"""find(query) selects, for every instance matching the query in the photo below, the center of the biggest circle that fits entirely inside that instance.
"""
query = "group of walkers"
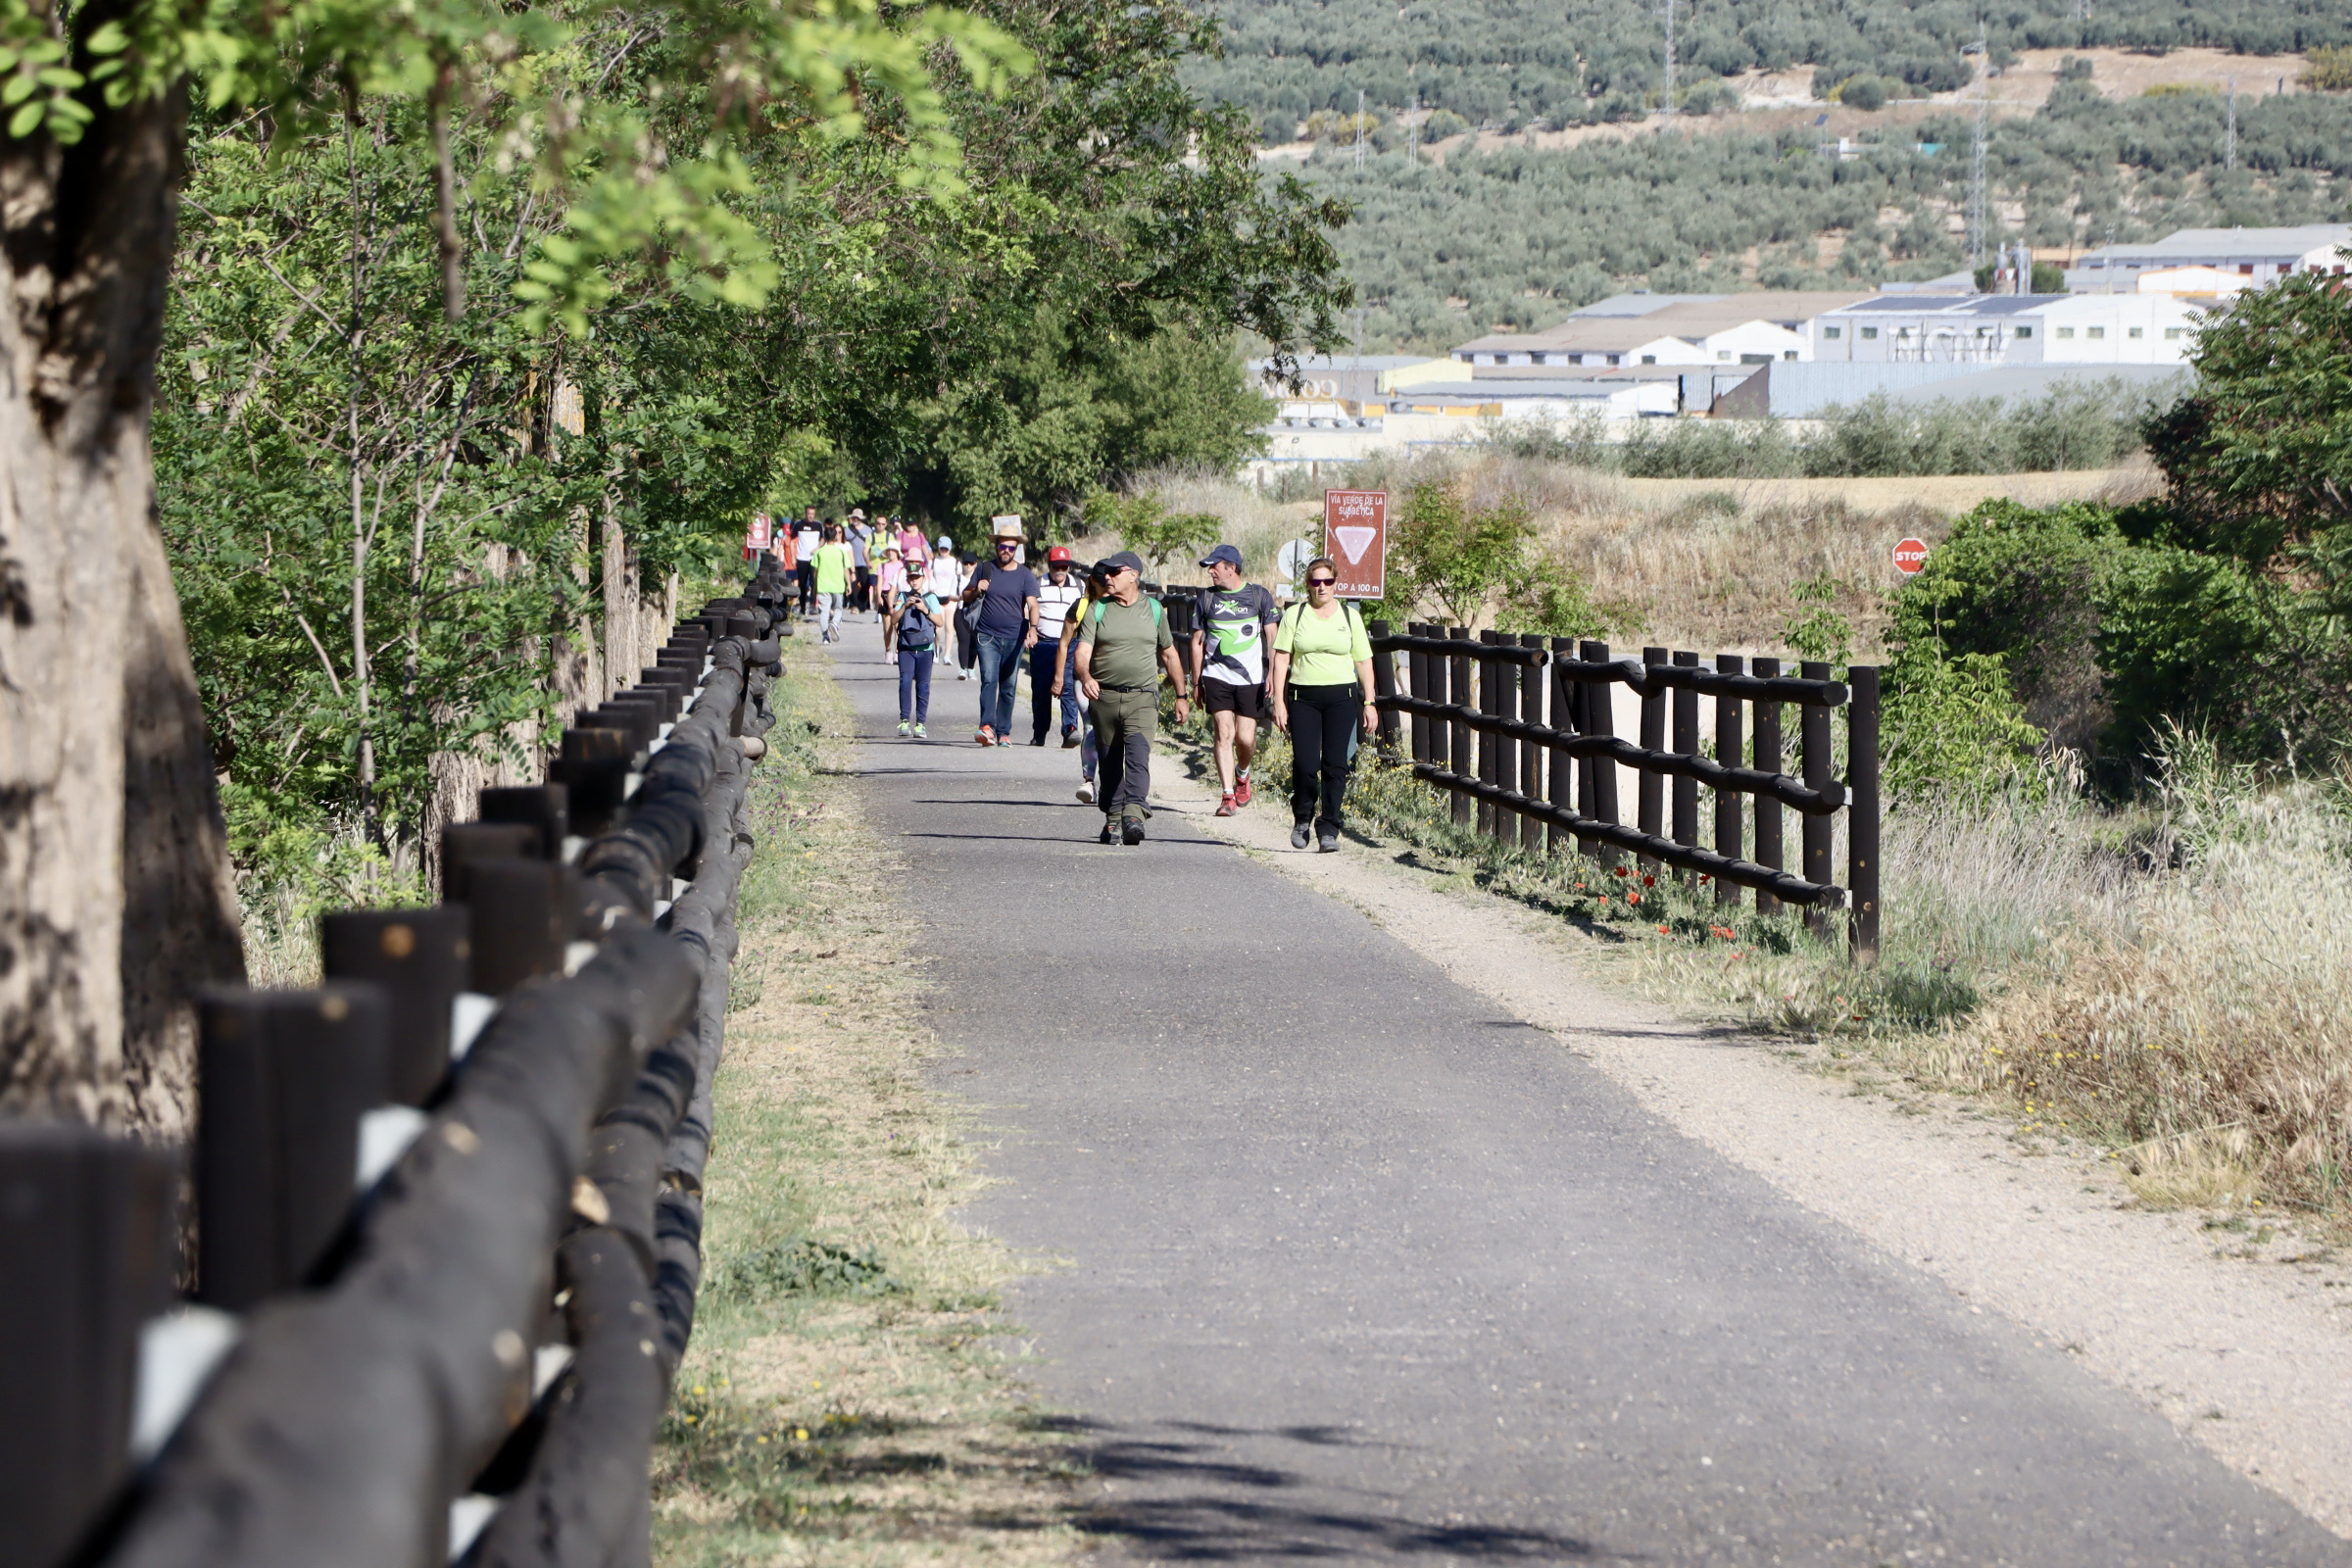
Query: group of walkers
(1095, 637)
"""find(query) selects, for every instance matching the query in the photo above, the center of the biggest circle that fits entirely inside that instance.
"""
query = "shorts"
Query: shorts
(1232, 696)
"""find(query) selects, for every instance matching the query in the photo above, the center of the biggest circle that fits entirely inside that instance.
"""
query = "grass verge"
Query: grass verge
(847, 1398)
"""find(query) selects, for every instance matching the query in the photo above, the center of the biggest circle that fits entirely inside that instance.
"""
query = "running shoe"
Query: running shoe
(1326, 842)
(1085, 790)
(1133, 832)
(1240, 788)
(919, 733)
(1069, 737)
(904, 726)
(1111, 834)
(1225, 804)
(986, 737)
(1301, 835)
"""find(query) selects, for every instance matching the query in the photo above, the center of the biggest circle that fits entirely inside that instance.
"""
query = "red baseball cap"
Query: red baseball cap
(1057, 552)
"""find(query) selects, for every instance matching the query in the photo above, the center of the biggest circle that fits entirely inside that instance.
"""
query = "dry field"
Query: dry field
(1703, 563)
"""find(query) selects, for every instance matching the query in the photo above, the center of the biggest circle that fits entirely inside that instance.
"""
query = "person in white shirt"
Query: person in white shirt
(1055, 598)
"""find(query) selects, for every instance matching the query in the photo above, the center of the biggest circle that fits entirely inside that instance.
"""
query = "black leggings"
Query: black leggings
(1324, 720)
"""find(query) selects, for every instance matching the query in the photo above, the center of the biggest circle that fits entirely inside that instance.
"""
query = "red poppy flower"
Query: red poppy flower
(1650, 881)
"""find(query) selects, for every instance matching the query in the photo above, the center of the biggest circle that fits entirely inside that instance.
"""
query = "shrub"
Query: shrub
(1865, 93)
(2328, 67)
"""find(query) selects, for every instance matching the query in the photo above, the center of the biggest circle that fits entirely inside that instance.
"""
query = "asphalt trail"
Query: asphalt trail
(1364, 1271)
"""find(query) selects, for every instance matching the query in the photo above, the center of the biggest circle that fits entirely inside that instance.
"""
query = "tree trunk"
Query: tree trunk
(113, 882)
(621, 652)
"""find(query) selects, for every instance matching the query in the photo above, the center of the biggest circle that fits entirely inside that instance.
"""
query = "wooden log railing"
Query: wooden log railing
(450, 1199)
(1520, 731)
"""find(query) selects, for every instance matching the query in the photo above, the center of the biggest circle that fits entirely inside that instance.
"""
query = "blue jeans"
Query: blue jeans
(914, 685)
(1000, 668)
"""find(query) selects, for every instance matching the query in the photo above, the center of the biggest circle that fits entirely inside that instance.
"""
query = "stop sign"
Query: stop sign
(1910, 555)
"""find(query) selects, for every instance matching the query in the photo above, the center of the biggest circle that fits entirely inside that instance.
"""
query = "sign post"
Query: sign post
(1355, 535)
(1910, 555)
(756, 537)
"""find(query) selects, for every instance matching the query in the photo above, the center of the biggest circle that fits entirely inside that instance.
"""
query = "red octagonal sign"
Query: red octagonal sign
(1910, 555)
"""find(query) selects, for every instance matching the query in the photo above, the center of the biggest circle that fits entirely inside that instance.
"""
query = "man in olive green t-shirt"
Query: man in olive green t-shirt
(1123, 646)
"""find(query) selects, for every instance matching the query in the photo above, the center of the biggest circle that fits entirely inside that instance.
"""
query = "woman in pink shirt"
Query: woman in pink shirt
(915, 551)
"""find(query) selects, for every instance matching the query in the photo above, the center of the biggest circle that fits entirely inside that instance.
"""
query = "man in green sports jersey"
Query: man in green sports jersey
(1234, 624)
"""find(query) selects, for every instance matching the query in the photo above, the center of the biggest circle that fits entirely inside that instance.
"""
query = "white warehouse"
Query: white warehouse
(2008, 329)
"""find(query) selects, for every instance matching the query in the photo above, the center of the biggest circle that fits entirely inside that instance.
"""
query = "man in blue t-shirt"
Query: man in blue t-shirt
(1233, 628)
(1004, 624)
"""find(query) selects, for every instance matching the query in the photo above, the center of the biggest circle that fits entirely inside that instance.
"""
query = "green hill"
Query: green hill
(1566, 62)
(1517, 238)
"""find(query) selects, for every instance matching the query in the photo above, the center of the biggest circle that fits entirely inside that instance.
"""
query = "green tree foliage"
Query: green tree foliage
(1504, 63)
(1475, 560)
(391, 465)
(1512, 239)
(1145, 526)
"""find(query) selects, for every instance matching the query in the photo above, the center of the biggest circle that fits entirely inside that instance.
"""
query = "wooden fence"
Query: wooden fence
(1521, 732)
(448, 1203)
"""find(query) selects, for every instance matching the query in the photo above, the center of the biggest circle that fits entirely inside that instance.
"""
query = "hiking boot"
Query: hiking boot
(1069, 737)
(919, 732)
(1133, 831)
(1301, 833)
(1086, 792)
(1240, 788)
(986, 737)
(904, 727)
(1225, 804)
(1328, 841)
(1110, 833)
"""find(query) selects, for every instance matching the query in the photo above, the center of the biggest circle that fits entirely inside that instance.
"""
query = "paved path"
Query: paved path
(1362, 1270)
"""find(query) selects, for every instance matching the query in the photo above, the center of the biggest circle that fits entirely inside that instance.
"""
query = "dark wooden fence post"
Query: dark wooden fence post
(86, 1236)
(423, 958)
(1458, 757)
(1567, 719)
(1729, 749)
(1652, 786)
(1431, 687)
(1384, 687)
(1768, 811)
(1600, 718)
(284, 1077)
(1813, 743)
(1685, 743)
(1416, 669)
(1862, 809)
(1530, 756)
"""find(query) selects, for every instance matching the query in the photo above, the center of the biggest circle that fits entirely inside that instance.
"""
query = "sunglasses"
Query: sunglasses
(1321, 582)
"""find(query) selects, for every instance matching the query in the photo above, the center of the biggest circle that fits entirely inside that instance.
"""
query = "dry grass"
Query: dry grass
(867, 1420)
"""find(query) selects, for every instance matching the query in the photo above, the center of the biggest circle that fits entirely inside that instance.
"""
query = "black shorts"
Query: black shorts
(1232, 696)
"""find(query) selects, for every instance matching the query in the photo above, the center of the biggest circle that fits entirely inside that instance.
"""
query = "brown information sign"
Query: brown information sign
(1355, 535)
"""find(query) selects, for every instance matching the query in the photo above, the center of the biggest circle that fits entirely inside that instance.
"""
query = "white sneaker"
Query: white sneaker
(1086, 792)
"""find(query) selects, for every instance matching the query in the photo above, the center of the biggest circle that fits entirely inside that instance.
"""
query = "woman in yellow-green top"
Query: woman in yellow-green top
(1323, 669)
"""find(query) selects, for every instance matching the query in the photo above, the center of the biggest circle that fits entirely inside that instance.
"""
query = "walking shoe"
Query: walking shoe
(1301, 833)
(919, 733)
(1039, 741)
(1111, 834)
(1328, 842)
(904, 726)
(1133, 832)
(1240, 788)
(1069, 737)
(1225, 806)
(986, 737)
(1085, 790)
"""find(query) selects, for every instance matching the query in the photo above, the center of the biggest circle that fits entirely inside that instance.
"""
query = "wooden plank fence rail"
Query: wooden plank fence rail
(450, 1199)
(1520, 731)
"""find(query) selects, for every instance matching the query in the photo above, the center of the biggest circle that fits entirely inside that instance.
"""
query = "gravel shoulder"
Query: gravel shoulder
(2244, 1345)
